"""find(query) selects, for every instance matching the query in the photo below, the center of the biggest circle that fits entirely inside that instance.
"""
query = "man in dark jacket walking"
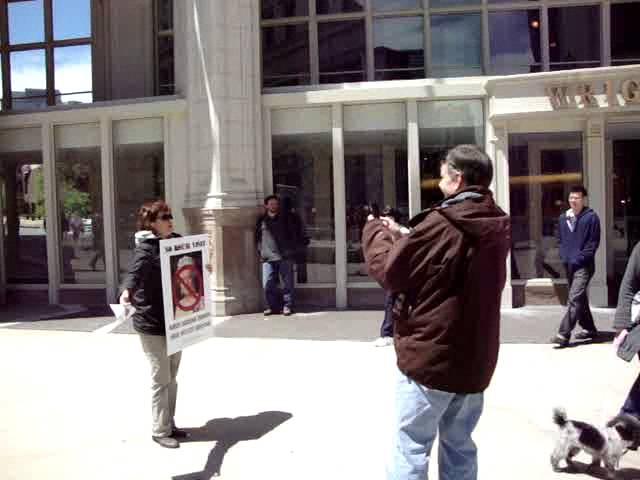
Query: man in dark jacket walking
(278, 240)
(448, 273)
(579, 238)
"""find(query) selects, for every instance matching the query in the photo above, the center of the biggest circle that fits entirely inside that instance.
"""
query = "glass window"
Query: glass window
(285, 55)
(23, 206)
(398, 47)
(165, 14)
(342, 51)
(73, 80)
(456, 45)
(515, 42)
(453, 3)
(138, 159)
(375, 157)
(625, 41)
(542, 169)
(331, 6)
(442, 126)
(574, 37)
(166, 71)
(79, 188)
(284, 8)
(303, 177)
(28, 80)
(71, 19)
(508, 1)
(395, 5)
(26, 21)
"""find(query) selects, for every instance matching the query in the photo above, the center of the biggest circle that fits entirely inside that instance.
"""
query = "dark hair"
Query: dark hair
(389, 211)
(578, 189)
(271, 197)
(472, 162)
(149, 213)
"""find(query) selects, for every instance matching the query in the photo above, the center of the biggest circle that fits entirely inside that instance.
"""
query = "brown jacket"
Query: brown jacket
(450, 272)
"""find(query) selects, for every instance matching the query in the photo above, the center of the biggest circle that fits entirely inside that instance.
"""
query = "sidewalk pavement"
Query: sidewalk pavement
(75, 405)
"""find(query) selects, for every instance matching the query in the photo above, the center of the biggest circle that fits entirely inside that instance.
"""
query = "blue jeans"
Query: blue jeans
(632, 402)
(271, 273)
(421, 413)
(386, 329)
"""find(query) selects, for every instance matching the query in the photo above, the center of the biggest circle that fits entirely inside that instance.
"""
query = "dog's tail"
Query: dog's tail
(560, 417)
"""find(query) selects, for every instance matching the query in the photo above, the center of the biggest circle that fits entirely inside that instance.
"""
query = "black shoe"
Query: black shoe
(166, 442)
(286, 311)
(560, 342)
(179, 433)
(586, 335)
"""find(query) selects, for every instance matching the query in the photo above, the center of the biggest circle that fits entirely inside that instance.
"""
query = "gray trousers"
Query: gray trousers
(164, 387)
(578, 310)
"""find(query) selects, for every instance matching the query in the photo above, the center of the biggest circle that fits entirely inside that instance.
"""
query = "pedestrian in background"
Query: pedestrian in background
(448, 273)
(579, 238)
(142, 288)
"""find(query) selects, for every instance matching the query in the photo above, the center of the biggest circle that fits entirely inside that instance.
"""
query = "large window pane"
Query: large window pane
(399, 47)
(138, 158)
(28, 80)
(515, 42)
(574, 37)
(331, 6)
(442, 126)
(73, 74)
(71, 19)
(395, 5)
(285, 55)
(625, 41)
(375, 156)
(542, 169)
(456, 45)
(342, 51)
(26, 21)
(284, 8)
(24, 223)
(303, 177)
(453, 3)
(79, 188)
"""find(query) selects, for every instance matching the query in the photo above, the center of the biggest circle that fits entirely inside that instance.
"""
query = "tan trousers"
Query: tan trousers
(164, 387)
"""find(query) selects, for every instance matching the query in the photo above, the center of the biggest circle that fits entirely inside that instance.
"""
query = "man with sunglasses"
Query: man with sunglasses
(448, 273)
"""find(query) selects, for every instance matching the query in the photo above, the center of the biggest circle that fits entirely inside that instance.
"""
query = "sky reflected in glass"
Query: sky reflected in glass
(26, 22)
(28, 74)
(73, 72)
(71, 19)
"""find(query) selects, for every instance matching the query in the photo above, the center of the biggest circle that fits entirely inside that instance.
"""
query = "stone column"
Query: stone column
(217, 71)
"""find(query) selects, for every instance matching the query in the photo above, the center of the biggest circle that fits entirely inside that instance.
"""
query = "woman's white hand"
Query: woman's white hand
(618, 340)
(125, 298)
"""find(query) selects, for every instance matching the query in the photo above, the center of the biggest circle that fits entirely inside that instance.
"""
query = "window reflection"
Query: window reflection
(28, 80)
(285, 59)
(79, 189)
(398, 47)
(26, 21)
(73, 79)
(340, 6)
(542, 169)
(456, 45)
(574, 37)
(71, 19)
(625, 42)
(391, 5)
(23, 206)
(453, 3)
(284, 8)
(515, 42)
(303, 177)
(342, 51)
(375, 157)
(165, 14)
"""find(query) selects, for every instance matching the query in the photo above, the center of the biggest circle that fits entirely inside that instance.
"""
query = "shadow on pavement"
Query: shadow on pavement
(601, 472)
(226, 432)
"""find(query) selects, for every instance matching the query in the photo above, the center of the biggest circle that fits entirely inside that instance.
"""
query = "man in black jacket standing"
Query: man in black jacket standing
(277, 239)
(579, 238)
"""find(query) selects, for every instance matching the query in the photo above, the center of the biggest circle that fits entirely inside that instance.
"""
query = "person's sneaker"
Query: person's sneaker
(268, 312)
(287, 311)
(586, 335)
(383, 342)
(166, 442)
(560, 341)
(179, 433)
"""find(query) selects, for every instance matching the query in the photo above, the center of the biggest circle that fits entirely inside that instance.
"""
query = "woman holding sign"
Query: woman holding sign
(142, 287)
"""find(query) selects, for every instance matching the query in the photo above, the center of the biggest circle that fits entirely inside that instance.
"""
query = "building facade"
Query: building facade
(334, 105)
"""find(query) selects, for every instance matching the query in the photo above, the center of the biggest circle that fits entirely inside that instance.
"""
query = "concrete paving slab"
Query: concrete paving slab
(76, 406)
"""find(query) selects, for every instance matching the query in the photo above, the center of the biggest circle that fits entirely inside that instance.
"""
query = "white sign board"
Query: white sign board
(185, 289)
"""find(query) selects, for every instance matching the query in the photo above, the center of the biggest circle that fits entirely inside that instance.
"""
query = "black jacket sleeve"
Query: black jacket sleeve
(138, 268)
(588, 253)
(628, 288)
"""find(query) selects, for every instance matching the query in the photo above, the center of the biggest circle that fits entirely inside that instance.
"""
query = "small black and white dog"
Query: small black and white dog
(607, 444)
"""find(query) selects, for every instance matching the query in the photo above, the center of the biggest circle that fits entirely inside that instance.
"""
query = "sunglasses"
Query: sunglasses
(166, 216)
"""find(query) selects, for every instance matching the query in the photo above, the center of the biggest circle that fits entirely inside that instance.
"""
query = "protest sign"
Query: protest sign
(185, 289)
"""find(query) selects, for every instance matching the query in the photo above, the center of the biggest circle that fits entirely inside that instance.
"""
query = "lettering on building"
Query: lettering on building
(609, 93)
